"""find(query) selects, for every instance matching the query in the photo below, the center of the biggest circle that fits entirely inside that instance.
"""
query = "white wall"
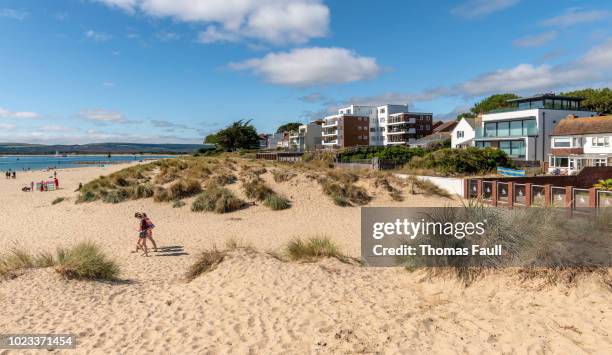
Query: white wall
(468, 133)
(453, 186)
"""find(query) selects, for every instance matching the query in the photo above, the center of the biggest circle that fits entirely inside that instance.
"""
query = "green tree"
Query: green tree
(288, 127)
(211, 139)
(598, 100)
(493, 102)
(466, 115)
(238, 135)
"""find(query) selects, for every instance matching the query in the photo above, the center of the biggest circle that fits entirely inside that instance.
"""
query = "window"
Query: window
(382, 110)
(561, 142)
(459, 134)
(600, 141)
(503, 129)
(599, 162)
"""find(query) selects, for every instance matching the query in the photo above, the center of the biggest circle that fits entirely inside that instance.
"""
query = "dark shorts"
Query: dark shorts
(142, 235)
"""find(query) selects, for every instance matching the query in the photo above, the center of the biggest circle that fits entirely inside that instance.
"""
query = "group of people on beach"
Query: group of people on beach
(145, 232)
(11, 175)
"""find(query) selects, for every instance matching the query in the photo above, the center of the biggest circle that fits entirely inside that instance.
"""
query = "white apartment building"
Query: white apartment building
(387, 125)
(523, 130)
(579, 142)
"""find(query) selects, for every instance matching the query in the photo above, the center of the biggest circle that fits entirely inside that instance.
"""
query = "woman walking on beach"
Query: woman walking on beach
(150, 227)
(142, 234)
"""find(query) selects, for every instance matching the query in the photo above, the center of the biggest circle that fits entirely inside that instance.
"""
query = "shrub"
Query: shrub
(206, 261)
(462, 161)
(15, 260)
(139, 191)
(276, 202)
(161, 195)
(183, 189)
(216, 199)
(311, 249)
(58, 200)
(178, 204)
(86, 261)
(605, 185)
(399, 154)
(222, 179)
(428, 188)
(116, 196)
(256, 189)
(87, 196)
(343, 194)
(282, 175)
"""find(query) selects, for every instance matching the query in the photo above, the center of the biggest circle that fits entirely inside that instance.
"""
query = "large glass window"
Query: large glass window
(529, 127)
(516, 128)
(490, 129)
(503, 129)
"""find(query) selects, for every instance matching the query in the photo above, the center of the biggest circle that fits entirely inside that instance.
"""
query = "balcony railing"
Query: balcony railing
(546, 107)
(525, 131)
(391, 121)
(328, 133)
(330, 123)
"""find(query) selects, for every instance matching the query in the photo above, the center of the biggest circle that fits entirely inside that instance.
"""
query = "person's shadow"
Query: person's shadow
(173, 250)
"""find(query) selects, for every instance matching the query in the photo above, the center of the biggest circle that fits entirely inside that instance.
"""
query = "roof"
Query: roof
(546, 96)
(471, 121)
(445, 127)
(432, 138)
(583, 125)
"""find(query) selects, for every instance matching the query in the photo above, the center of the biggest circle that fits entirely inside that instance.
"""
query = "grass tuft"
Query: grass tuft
(216, 199)
(58, 200)
(277, 202)
(312, 249)
(205, 262)
(86, 261)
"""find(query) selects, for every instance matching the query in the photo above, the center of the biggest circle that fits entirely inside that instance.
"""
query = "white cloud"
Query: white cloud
(4, 113)
(593, 68)
(14, 14)
(312, 66)
(108, 84)
(273, 21)
(537, 40)
(574, 16)
(97, 36)
(7, 126)
(167, 36)
(472, 9)
(58, 128)
(104, 116)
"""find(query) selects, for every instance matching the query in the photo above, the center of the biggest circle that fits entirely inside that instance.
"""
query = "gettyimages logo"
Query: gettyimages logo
(475, 236)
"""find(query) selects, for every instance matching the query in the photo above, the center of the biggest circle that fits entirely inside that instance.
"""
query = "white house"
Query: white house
(580, 142)
(463, 134)
(523, 130)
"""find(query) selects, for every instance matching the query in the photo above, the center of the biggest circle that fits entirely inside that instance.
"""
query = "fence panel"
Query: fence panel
(473, 186)
(581, 198)
(557, 196)
(502, 192)
(487, 190)
(538, 196)
(520, 194)
(604, 199)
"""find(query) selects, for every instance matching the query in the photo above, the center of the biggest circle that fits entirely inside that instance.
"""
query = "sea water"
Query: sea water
(44, 162)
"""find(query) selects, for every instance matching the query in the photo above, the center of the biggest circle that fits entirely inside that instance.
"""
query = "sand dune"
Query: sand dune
(254, 303)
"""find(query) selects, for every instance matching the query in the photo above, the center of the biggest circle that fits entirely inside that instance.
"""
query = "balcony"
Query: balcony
(330, 142)
(329, 133)
(402, 131)
(400, 120)
(329, 123)
(524, 132)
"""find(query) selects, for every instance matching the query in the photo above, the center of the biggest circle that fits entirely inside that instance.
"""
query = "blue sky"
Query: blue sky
(80, 71)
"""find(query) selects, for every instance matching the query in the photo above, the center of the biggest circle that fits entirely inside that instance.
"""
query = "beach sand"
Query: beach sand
(254, 303)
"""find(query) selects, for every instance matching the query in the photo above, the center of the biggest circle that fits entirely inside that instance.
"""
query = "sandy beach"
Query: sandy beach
(254, 303)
